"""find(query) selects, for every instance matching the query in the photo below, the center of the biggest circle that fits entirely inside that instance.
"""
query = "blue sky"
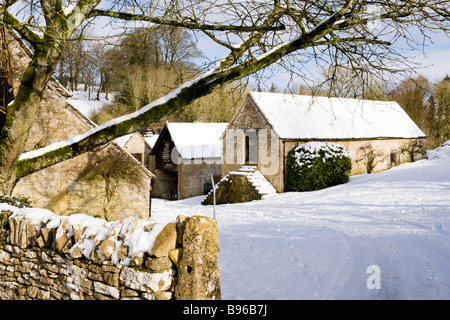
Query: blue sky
(434, 59)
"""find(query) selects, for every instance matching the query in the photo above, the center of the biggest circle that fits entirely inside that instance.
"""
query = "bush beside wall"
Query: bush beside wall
(317, 165)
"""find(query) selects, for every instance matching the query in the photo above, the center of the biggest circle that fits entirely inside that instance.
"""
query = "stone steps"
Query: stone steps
(256, 178)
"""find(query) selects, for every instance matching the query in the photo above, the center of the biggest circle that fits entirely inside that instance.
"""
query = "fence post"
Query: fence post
(214, 197)
(198, 272)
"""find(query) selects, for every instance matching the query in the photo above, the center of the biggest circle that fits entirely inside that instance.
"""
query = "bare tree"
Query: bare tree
(349, 83)
(415, 96)
(113, 169)
(441, 127)
(370, 157)
(413, 148)
(256, 34)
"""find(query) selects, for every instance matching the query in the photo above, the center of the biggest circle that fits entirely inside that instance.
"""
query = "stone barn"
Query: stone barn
(377, 134)
(185, 157)
(138, 146)
(108, 182)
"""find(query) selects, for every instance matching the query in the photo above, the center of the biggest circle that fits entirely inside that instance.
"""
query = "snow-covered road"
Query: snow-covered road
(319, 245)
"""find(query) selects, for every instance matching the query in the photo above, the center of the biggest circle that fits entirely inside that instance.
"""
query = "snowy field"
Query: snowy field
(319, 245)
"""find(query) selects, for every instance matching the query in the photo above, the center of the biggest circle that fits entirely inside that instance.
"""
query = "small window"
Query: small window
(251, 147)
(247, 149)
(138, 156)
(394, 158)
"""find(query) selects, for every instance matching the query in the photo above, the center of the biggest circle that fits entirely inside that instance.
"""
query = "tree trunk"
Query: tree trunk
(21, 114)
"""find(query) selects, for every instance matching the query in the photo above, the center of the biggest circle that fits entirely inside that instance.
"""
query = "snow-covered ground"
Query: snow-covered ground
(86, 102)
(324, 244)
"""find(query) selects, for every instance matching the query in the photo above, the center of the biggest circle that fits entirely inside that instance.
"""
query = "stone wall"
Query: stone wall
(384, 148)
(80, 185)
(48, 257)
(165, 184)
(188, 180)
(138, 148)
(389, 153)
(192, 176)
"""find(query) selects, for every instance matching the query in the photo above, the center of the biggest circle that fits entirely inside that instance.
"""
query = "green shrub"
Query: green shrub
(317, 165)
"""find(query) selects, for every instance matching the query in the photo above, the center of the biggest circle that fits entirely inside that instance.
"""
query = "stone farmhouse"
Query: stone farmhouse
(108, 182)
(185, 155)
(139, 145)
(377, 134)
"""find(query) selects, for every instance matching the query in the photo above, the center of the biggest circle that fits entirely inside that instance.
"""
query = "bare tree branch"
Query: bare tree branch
(184, 23)
(10, 21)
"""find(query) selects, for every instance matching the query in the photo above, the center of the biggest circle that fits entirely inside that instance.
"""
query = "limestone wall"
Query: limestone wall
(48, 257)
(54, 123)
(137, 147)
(193, 176)
(83, 184)
(389, 152)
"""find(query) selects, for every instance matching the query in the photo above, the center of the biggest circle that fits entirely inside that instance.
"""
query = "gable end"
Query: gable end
(249, 116)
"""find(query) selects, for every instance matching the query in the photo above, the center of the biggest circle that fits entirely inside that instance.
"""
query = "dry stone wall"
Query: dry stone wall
(49, 257)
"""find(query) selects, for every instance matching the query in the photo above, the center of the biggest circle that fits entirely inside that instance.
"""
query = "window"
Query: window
(138, 156)
(251, 147)
(394, 157)
(247, 149)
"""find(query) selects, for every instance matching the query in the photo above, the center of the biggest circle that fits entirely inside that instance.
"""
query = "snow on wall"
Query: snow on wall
(46, 256)
(255, 177)
(131, 231)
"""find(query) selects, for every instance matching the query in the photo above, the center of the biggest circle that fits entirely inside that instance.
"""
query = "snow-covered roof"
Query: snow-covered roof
(83, 106)
(86, 107)
(307, 117)
(149, 139)
(197, 140)
(123, 140)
